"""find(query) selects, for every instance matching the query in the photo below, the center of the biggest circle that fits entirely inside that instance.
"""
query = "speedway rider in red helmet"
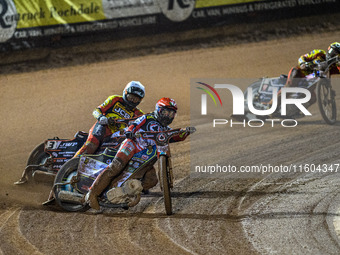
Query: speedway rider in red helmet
(117, 107)
(156, 121)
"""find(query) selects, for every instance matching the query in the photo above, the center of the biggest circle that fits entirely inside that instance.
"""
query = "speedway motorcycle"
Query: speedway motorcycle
(47, 158)
(318, 82)
(76, 176)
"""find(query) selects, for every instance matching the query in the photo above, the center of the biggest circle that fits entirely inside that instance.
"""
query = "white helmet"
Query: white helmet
(133, 93)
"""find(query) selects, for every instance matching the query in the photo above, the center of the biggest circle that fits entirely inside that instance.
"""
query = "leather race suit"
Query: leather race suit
(297, 73)
(129, 147)
(147, 122)
(113, 107)
(313, 58)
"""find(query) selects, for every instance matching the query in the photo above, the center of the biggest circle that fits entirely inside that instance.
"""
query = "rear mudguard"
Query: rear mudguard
(62, 150)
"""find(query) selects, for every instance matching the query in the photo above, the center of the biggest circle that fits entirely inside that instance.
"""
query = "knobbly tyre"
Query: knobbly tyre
(48, 157)
(318, 82)
(75, 177)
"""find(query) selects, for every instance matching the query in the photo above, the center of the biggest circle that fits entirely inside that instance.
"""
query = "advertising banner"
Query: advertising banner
(25, 24)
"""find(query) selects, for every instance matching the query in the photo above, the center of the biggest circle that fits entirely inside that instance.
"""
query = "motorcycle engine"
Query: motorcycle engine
(125, 193)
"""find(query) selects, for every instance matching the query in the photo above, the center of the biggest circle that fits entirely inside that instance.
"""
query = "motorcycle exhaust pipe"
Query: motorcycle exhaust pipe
(78, 199)
(70, 197)
(41, 176)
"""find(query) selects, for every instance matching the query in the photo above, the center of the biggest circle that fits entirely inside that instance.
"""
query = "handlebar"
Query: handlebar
(114, 122)
(323, 67)
(161, 137)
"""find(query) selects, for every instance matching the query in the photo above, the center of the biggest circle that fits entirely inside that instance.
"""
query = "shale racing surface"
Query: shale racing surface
(212, 216)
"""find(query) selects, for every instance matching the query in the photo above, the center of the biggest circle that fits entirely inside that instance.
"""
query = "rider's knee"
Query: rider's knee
(87, 148)
(91, 147)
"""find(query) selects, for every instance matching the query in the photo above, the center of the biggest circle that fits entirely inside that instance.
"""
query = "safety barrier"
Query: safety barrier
(29, 24)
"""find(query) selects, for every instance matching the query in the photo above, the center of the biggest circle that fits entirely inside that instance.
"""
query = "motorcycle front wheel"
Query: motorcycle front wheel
(165, 183)
(64, 175)
(326, 101)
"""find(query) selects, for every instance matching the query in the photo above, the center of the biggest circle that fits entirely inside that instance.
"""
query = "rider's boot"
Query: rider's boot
(102, 181)
(50, 200)
(149, 181)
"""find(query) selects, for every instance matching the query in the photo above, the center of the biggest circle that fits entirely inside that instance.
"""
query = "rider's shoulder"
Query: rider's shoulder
(318, 51)
(139, 112)
(114, 98)
(150, 116)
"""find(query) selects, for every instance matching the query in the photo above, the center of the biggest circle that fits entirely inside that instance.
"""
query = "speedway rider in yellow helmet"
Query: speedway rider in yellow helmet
(332, 59)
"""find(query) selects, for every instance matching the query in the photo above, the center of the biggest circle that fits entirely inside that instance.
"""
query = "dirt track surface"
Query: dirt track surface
(212, 216)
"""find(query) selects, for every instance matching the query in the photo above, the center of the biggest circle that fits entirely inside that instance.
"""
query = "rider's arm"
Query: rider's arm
(138, 112)
(183, 134)
(302, 59)
(101, 109)
(136, 125)
(97, 113)
(180, 137)
(314, 57)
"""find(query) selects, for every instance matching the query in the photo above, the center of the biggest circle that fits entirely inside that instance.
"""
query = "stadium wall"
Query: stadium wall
(31, 24)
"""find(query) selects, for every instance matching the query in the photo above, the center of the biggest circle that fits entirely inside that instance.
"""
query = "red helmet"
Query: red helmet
(165, 112)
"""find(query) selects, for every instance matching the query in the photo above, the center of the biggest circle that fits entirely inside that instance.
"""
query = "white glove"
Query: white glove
(304, 65)
(103, 120)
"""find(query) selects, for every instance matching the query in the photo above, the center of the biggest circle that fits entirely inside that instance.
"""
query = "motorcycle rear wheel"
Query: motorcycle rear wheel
(326, 101)
(164, 179)
(64, 175)
(37, 157)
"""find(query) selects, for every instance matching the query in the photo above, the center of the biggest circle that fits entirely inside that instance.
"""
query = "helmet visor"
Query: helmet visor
(134, 99)
(169, 113)
(136, 91)
(332, 53)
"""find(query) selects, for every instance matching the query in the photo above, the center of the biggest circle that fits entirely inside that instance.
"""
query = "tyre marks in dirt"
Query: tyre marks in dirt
(214, 216)
(273, 214)
(294, 218)
(113, 232)
(205, 221)
(281, 214)
(11, 239)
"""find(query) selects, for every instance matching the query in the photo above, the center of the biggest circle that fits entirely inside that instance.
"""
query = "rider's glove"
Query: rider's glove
(112, 122)
(322, 65)
(190, 130)
(304, 65)
(103, 120)
(129, 134)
